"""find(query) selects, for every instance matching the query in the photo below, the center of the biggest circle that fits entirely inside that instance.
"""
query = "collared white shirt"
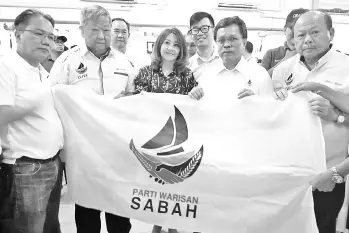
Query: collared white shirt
(107, 76)
(38, 135)
(228, 83)
(331, 70)
(202, 65)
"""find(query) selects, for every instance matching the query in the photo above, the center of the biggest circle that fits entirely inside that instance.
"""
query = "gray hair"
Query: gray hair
(93, 12)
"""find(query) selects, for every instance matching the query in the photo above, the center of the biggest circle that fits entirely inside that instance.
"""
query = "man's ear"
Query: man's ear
(81, 28)
(331, 32)
(244, 41)
(18, 34)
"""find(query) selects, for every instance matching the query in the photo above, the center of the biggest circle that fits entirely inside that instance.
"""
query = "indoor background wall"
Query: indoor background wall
(150, 17)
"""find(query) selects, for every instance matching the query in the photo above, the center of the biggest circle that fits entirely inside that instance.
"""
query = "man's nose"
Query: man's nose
(308, 39)
(227, 44)
(200, 32)
(100, 34)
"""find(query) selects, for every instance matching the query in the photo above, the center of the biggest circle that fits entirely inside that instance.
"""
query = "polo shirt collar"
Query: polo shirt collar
(323, 60)
(286, 47)
(23, 63)
(212, 57)
(19, 61)
(85, 50)
(242, 67)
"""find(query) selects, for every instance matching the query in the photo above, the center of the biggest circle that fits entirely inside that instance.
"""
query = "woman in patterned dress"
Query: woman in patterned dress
(167, 73)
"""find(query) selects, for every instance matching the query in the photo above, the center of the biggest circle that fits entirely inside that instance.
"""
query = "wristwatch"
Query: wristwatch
(336, 177)
(340, 118)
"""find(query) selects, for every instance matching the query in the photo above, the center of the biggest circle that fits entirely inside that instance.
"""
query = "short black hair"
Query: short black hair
(25, 16)
(228, 21)
(293, 16)
(121, 19)
(249, 47)
(198, 16)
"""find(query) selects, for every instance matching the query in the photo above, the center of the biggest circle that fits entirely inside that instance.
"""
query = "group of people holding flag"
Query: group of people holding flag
(31, 133)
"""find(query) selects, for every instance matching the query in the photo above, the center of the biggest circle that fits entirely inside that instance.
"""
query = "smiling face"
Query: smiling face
(170, 48)
(312, 37)
(231, 45)
(203, 40)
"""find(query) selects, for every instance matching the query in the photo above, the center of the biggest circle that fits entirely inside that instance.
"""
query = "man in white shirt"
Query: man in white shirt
(31, 132)
(317, 62)
(206, 57)
(106, 71)
(235, 78)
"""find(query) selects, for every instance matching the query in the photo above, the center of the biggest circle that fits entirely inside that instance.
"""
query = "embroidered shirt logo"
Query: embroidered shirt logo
(81, 70)
(289, 80)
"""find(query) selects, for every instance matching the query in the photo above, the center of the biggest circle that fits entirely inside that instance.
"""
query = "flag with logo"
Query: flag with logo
(240, 166)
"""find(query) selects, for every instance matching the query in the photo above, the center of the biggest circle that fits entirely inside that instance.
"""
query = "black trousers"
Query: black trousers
(327, 206)
(89, 220)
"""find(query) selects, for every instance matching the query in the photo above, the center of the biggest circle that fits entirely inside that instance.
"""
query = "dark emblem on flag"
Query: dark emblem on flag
(249, 83)
(81, 69)
(289, 80)
(164, 157)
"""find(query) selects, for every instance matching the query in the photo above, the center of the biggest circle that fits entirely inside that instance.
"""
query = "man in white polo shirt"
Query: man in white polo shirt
(105, 71)
(206, 57)
(235, 77)
(317, 62)
(31, 132)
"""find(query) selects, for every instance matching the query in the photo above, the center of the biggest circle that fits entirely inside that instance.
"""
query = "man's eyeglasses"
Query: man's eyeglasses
(42, 35)
(203, 29)
(230, 39)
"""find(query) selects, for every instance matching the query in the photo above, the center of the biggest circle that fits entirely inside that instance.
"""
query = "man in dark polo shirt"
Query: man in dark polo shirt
(275, 56)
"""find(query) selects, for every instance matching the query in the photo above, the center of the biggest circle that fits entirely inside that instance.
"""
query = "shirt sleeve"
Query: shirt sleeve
(7, 85)
(141, 81)
(278, 77)
(59, 73)
(266, 61)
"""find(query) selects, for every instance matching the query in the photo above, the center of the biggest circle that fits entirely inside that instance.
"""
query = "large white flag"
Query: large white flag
(225, 166)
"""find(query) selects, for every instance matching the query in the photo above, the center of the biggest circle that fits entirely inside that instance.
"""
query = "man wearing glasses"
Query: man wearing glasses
(235, 77)
(106, 71)
(31, 133)
(206, 57)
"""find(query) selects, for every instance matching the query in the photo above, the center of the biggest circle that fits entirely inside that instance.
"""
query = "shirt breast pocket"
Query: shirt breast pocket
(115, 83)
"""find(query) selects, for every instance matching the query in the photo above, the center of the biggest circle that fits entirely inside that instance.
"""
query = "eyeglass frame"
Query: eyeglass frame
(41, 36)
(200, 30)
(230, 40)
